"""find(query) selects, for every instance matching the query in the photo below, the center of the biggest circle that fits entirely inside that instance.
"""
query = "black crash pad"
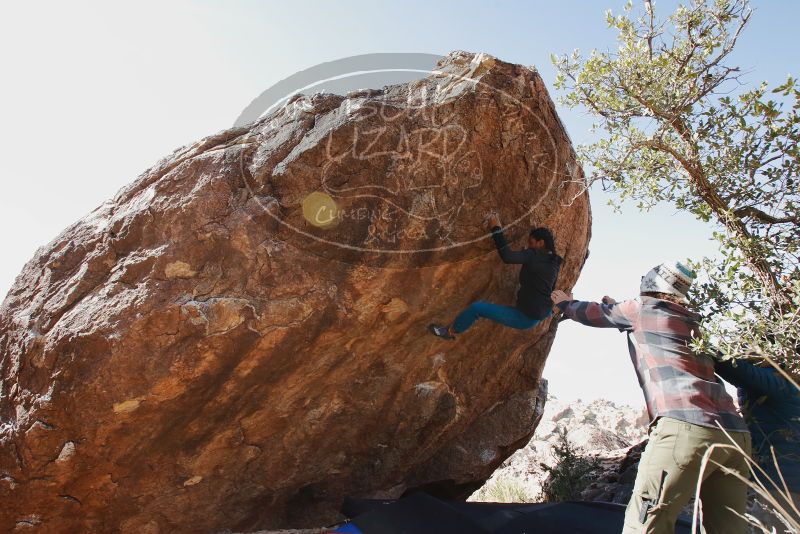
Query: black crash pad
(422, 514)
(418, 513)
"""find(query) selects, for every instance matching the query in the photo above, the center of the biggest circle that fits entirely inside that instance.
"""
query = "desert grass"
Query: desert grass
(505, 489)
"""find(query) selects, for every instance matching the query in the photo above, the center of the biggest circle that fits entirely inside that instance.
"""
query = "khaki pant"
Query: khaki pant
(667, 479)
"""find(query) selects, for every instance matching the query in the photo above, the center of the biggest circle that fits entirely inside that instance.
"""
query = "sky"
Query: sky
(95, 93)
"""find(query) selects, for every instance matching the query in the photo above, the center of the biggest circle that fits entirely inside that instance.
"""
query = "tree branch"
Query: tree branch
(755, 213)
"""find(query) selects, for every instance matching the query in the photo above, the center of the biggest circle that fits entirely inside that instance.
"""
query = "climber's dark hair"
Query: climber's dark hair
(544, 234)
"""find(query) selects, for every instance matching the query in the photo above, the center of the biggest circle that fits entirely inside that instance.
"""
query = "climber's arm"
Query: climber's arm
(506, 254)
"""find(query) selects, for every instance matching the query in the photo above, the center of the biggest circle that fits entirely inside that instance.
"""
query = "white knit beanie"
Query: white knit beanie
(672, 278)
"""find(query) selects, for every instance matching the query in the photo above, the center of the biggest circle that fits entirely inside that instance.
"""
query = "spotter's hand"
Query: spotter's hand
(558, 296)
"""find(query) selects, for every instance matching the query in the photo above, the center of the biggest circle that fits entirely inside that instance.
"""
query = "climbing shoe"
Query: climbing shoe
(440, 331)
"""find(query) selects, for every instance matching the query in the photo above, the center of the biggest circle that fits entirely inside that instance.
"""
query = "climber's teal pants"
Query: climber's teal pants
(505, 315)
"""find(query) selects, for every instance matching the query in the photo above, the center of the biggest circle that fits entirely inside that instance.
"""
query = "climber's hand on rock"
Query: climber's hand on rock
(558, 296)
(494, 220)
(608, 300)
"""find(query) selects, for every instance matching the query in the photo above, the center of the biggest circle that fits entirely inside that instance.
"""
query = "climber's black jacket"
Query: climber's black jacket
(537, 277)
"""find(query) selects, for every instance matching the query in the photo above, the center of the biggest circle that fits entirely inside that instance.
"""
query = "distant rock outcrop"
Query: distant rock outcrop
(601, 429)
(238, 339)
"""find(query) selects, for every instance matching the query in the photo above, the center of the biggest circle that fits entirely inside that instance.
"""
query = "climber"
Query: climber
(687, 405)
(770, 404)
(537, 278)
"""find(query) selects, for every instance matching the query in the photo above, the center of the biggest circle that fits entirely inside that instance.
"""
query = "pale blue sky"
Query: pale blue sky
(94, 93)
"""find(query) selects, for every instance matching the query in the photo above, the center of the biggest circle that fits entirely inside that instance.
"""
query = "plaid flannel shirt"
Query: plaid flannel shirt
(676, 382)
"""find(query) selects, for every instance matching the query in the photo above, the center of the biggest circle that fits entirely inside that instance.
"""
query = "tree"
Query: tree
(571, 473)
(678, 125)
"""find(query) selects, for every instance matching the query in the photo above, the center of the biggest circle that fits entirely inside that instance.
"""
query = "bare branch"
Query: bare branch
(755, 213)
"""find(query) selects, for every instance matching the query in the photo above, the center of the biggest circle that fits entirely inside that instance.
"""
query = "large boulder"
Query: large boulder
(238, 338)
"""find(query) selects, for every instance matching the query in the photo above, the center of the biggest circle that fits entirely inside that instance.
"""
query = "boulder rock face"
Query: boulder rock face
(238, 340)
